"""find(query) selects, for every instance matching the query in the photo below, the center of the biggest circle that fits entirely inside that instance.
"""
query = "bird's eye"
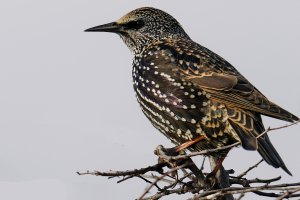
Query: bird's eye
(134, 24)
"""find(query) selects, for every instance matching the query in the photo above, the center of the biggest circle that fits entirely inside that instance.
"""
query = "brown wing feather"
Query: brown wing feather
(243, 95)
(214, 80)
(220, 79)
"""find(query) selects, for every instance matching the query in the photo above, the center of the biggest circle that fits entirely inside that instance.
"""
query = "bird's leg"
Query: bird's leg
(211, 177)
(218, 166)
(176, 150)
(188, 143)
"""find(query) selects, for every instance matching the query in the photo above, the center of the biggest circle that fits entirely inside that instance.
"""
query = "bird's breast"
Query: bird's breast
(175, 107)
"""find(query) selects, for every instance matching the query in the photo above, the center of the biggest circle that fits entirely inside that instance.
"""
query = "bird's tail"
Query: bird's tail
(266, 149)
(249, 126)
(269, 153)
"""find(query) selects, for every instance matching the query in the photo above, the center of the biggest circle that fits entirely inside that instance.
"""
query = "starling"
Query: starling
(190, 94)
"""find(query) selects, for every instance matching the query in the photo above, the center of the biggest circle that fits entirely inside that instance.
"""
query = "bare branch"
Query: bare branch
(285, 126)
(246, 182)
(159, 178)
(161, 194)
(249, 169)
(288, 194)
(157, 167)
(272, 129)
(236, 190)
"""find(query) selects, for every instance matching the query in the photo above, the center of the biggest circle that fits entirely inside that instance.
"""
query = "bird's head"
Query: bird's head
(143, 26)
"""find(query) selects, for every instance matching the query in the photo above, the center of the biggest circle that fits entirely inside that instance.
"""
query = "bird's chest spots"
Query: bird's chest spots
(166, 88)
(171, 104)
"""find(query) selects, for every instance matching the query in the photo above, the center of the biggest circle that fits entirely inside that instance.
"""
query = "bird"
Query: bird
(190, 94)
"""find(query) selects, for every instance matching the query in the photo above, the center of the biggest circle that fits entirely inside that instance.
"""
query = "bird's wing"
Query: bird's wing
(219, 79)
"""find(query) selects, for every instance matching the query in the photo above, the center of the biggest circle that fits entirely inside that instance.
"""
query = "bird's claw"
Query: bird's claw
(211, 179)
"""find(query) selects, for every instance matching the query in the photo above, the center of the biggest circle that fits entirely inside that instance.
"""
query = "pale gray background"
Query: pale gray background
(67, 102)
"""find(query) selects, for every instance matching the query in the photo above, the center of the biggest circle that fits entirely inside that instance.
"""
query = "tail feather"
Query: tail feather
(248, 126)
(270, 155)
(266, 149)
(282, 114)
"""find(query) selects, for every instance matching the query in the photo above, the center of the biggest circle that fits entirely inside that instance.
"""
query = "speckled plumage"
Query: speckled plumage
(186, 90)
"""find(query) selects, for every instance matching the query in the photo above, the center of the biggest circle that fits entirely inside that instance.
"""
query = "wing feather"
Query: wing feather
(213, 74)
(221, 80)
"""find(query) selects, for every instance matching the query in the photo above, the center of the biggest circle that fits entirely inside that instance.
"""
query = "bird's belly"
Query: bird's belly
(180, 114)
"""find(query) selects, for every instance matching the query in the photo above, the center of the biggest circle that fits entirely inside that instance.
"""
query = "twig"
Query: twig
(249, 169)
(152, 176)
(288, 194)
(285, 126)
(236, 190)
(161, 194)
(202, 165)
(161, 177)
(146, 180)
(272, 129)
(157, 167)
(246, 182)
(241, 196)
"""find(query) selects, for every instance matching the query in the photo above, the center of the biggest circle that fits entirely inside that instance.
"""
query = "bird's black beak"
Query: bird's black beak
(110, 27)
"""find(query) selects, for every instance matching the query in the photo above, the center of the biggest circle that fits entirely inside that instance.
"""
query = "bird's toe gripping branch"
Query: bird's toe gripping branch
(167, 155)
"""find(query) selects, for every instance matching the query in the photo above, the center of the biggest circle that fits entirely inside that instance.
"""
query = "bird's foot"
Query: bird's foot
(166, 154)
(211, 180)
(177, 150)
(160, 150)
